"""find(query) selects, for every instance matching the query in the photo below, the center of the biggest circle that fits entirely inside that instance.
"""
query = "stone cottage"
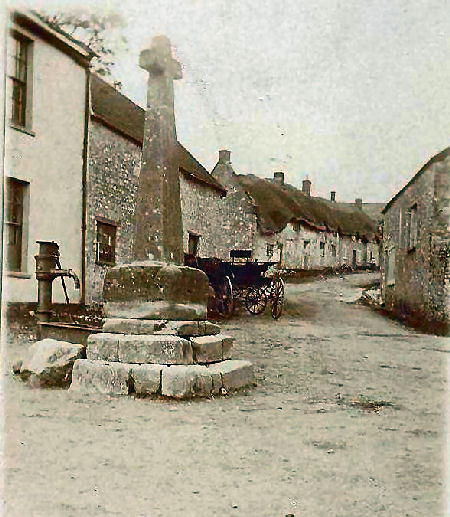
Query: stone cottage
(221, 211)
(415, 271)
(300, 231)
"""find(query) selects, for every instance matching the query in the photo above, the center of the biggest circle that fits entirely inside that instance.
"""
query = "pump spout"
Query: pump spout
(66, 272)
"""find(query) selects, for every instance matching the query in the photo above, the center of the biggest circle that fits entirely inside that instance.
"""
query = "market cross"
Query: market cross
(158, 233)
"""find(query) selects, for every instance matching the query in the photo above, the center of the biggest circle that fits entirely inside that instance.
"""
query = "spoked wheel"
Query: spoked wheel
(224, 294)
(277, 297)
(255, 300)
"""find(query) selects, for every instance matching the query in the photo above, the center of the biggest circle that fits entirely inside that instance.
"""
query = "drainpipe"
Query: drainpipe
(84, 186)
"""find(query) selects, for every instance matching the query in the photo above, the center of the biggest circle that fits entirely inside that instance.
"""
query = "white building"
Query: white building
(45, 152)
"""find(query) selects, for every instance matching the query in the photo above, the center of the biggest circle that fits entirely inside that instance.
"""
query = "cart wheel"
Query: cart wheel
(225, 303)
(255, 300)
(277, 296)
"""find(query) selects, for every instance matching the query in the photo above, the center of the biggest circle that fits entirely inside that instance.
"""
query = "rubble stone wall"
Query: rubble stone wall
(418, 289)
(303, 248)
(222, 223)
(113, 176)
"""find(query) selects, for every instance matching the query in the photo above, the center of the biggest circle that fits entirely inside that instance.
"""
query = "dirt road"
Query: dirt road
(348, 419)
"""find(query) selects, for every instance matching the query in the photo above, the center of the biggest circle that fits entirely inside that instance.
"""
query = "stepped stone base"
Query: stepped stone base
(177, 328)
(156, 340)
(158, 348)
(177, 381)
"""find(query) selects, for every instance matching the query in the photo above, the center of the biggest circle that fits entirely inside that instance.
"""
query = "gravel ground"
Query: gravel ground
(348, 419)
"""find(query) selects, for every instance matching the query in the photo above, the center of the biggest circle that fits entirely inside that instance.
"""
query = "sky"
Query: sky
(352, 94)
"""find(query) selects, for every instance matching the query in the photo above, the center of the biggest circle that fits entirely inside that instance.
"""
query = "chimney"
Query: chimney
(358, 203)
(333, 196)
(224, 156)
(306, 188)
(278, 177)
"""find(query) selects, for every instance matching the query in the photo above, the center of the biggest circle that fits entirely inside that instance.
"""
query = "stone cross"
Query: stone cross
(159, 233)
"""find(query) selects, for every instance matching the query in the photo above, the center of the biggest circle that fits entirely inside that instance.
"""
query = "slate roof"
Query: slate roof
(277, 205)
(121, 114)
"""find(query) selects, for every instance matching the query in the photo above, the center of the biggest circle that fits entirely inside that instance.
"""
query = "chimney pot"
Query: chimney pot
(306, 187)
(278, 177)
(333, 195)
(224, 156)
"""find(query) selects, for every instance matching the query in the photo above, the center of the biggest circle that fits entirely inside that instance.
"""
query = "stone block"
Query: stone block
(161, 349)
(100, 377)
(210, 349)
(189, 381)
(235, 374)
(103, 347)
(207, 349)
(49, 363)
(132, 326)
(227, 346)
(146, 378)
(152, 281)
(189, 328)
(155, 310)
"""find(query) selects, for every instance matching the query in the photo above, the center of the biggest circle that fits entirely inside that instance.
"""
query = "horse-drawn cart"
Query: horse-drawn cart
(244, 280)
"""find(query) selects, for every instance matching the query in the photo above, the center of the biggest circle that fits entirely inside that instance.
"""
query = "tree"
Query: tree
(94, 31)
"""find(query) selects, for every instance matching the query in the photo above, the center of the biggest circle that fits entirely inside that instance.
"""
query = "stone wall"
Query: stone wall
(415, 281)
(222, 223)
(302, 248)
(114, 164)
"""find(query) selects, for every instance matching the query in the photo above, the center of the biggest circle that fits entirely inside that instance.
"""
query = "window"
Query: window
(16, 192)
(193, 244)
(270, 250)
(412, 227)
(322, 249)
(333, 250)
(296, 226)
(305, 244)
(18, 73)
(106, 242)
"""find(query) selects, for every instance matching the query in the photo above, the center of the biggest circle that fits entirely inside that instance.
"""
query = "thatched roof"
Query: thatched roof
(277, 205)
(373, 210)
(124, 116)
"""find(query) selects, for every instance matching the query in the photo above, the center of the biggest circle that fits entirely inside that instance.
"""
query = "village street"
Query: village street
(347, 420)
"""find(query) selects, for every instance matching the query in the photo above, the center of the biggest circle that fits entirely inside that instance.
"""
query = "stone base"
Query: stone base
(159, 348)
(176, 328)
(156, 340)
(177, 381)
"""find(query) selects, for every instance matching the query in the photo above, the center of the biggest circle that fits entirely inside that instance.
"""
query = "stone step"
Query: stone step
(189, 328)
(177, 381)
(143, 327)
(159, 348)
(210, 349)
(109, 378)
(126, 348)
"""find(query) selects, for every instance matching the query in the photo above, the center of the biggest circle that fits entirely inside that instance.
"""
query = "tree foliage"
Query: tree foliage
(94, 31)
